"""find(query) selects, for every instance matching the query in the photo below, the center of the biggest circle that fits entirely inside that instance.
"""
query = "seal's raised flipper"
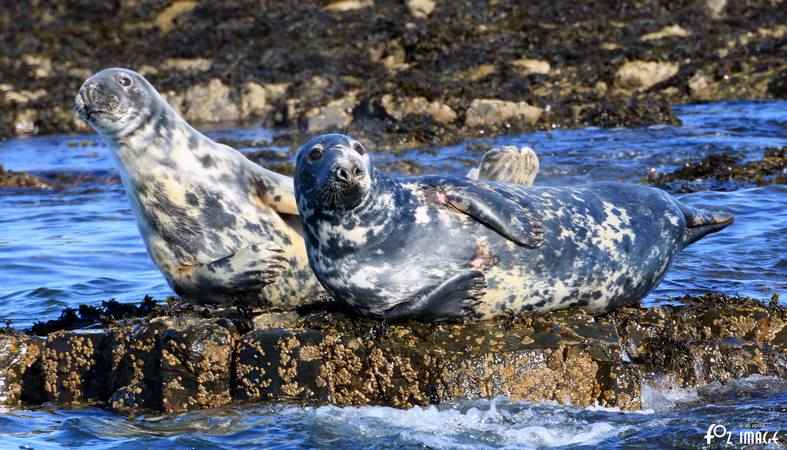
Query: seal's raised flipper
(507, 164)
(249, 269)
(510, 219)
(700, 223)
(453, 300)
(272, 189)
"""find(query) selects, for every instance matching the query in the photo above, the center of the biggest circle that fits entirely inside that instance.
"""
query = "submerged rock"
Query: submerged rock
(200, 359)
(724, 172)
(11, 179)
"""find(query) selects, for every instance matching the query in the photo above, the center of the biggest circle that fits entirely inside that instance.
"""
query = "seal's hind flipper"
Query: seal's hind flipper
(700, 223)
(507, 164)
(454, 300)
(512, 220)
(248, 269)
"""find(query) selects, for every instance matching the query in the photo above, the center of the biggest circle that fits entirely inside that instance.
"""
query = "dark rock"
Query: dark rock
(10, 179)
(196, 360)
(20, 369)
(295, 64)
(172, 364)
(77, 367)
(724, 172)
(136, 366)
(778, 87)
(202, 358)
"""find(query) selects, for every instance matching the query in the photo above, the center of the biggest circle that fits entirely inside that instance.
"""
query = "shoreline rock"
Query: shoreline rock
(439, 56)
(199, 358)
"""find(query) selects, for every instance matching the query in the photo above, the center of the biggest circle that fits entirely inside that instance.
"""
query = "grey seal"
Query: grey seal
(222, 229)
(438, 248)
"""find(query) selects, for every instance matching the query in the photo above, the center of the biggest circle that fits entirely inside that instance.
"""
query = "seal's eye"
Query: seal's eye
(359, 148)
(124, 81)
(315, 153)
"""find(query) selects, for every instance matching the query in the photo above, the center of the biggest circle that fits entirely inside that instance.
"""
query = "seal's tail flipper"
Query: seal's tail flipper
(700, 223)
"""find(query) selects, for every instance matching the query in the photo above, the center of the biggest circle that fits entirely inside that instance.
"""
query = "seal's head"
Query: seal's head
(333, 171)
(116, 102)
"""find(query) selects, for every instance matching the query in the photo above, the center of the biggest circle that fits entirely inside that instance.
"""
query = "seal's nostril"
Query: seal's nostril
(342, 174)
(90, 90)
(358, 172)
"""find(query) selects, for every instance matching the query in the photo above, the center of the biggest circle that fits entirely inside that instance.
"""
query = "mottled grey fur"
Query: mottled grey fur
(507, 164)
(220, 228)
(445, 249)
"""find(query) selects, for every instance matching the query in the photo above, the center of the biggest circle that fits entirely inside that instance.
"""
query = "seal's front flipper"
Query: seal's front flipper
(507, 164)
(248, 269)
(700, 223)
(454, 300)
(275, 191)
(512, 220)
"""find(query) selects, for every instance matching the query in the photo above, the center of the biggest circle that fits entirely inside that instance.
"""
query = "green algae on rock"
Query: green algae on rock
(200, 359)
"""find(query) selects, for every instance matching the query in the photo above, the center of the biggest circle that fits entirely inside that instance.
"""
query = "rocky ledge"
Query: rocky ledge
(199, 358)
(399, 74)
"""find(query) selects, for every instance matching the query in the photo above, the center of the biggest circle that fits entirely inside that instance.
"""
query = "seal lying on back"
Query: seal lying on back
(440, 248)
(220, 228)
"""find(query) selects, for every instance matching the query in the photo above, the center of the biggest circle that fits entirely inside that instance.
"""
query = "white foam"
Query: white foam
(664, 395)
(497, 423)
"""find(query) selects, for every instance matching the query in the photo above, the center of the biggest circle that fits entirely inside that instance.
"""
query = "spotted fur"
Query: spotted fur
(391, 246)
(507, 164)
(220, 228)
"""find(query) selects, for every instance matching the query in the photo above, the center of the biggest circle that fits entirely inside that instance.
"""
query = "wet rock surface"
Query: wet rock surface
(11, 179)
(181, 359)
(395, 73)
(724, 172)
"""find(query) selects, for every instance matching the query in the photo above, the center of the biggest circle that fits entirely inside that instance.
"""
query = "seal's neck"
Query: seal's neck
(164, 140)
(362, 226)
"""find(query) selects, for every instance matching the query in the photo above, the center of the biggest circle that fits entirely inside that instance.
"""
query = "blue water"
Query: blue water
(80, 245)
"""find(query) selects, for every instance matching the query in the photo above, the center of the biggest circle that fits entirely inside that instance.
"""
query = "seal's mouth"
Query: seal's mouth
(81, 108)
(345, 195)
(86, 112)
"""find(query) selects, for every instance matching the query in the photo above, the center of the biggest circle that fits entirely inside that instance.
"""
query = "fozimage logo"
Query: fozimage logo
(718, 433)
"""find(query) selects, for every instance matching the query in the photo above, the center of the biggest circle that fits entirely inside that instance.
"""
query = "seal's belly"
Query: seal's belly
(186, 223)
(603, 247)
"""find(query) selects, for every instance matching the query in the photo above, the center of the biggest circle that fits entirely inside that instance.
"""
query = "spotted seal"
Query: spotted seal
(222, 229)
(507, 164)
(439, 248)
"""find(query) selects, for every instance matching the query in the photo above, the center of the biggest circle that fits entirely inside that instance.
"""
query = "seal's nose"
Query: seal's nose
(89, 90)
(349, 172)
